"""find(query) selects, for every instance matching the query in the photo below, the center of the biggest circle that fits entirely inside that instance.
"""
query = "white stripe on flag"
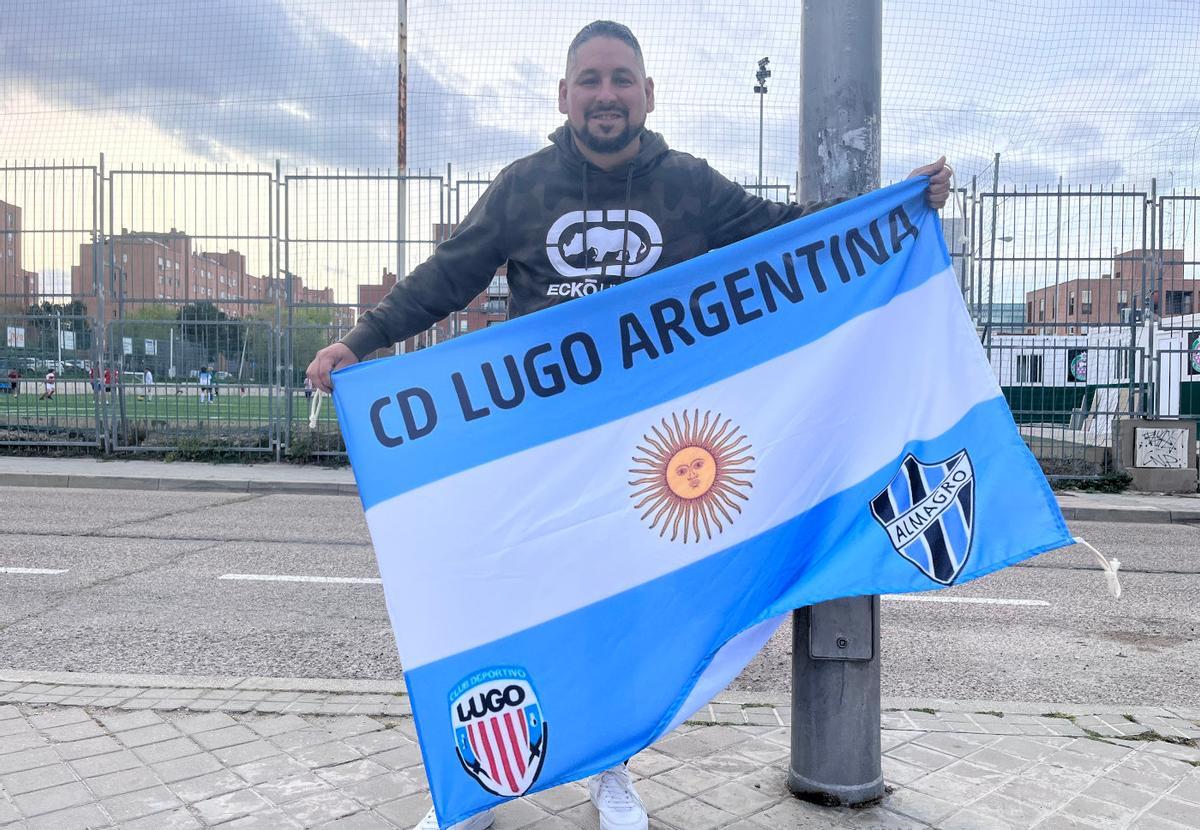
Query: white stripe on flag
(555, 509)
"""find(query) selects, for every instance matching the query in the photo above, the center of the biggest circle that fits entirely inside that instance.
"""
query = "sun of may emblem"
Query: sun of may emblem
(691, 475)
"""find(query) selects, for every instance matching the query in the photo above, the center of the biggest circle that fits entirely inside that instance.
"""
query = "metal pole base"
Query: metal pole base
(836, 758)
(835, 795)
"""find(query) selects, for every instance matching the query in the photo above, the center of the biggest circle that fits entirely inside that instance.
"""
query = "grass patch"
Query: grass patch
(229, 407)
(1151, 736)
(1106, 483)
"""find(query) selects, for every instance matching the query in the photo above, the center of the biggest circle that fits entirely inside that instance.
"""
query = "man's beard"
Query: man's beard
(613, 144)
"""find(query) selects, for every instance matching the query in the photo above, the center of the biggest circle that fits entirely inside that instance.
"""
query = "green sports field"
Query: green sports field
(229, 409)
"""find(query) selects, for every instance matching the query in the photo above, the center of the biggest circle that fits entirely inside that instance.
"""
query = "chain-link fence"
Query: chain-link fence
(174, 310)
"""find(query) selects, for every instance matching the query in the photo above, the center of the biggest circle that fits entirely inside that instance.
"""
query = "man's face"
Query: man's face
(605, 95)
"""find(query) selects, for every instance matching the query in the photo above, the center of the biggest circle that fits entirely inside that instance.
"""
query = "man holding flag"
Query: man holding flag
(605, 203)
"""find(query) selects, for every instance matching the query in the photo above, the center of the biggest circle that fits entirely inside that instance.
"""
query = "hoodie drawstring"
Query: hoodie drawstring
(585, 216)
(625, 226)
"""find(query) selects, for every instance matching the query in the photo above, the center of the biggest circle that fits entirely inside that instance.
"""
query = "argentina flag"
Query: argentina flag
(588, 520)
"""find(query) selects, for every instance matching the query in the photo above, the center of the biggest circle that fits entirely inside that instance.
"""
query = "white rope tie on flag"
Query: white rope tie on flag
(314, 408)
(1110, 566)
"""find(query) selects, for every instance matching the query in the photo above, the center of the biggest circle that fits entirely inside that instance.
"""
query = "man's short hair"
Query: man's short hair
(605, 28)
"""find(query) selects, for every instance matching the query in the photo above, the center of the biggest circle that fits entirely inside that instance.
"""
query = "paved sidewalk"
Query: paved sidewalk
(162, 752)
(292, 478)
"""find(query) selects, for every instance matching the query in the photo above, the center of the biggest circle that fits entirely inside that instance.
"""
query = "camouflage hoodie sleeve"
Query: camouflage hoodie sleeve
(734, 213)
(458, 270)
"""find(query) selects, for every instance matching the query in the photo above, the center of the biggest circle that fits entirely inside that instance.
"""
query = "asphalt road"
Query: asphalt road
(141, 591)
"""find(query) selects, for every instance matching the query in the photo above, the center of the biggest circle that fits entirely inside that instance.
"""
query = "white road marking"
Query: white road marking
(355, 580)
(966, 600)
(51, 571)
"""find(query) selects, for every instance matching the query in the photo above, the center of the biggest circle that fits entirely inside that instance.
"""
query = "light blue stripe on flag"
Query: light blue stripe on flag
(696, 453)
(902, 496)
(956, 531)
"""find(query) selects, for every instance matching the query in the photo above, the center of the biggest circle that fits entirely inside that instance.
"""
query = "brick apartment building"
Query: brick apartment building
(1113, 298)
(18, 287)
(487, 308)
(166, 269)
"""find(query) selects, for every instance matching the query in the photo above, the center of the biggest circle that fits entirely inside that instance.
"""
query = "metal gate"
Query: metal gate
(178, 307)
(50, 220)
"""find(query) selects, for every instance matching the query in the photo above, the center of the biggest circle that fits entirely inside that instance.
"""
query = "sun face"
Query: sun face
(690, 475)
(691, 472)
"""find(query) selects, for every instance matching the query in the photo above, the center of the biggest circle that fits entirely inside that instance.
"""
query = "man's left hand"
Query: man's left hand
(939, 182)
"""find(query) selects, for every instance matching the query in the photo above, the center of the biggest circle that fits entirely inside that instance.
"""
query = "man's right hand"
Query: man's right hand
(331, 357)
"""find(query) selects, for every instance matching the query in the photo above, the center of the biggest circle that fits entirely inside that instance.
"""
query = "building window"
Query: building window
(124, 257)
(160, 262)
(1178, 302)
(1042, 309)
(1085, 301)
(1123, 295)
(1029, 368)
(1070, 303)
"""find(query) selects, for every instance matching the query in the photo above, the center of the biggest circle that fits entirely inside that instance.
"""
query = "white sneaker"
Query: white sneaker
(479, 821)
(615, 798)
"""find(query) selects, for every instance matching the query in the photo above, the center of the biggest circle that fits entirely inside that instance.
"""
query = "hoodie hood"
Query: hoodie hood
(651, 152)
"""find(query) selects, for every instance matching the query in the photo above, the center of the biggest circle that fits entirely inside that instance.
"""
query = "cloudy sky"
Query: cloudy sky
(1093, 91)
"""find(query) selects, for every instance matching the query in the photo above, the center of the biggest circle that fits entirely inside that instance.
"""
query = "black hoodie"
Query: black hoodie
(566, 228)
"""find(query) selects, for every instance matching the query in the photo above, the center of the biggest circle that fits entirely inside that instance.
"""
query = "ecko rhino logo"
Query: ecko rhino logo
(609, 245)
(498, 730)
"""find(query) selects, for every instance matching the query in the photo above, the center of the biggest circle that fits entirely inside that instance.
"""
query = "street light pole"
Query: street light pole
(836, 744)
(761, 90)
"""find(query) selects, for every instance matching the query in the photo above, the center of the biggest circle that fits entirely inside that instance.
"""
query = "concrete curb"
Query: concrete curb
(1140, 515)
(184, 681)
(397, 689)
(221, 485)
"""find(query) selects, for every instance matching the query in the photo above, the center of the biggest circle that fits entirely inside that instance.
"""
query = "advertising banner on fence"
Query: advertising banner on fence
(1077, 365)
(588, 520)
